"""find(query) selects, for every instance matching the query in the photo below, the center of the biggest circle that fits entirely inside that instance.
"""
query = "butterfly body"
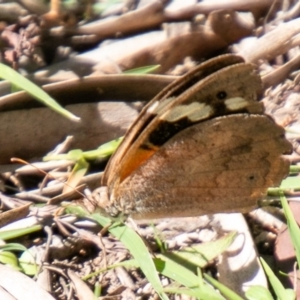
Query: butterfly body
(203, 145)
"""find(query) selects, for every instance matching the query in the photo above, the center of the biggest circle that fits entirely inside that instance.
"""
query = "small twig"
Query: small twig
(280, 74)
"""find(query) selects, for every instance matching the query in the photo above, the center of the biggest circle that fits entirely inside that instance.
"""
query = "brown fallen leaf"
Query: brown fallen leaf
(279, 75)
(83, 292)
(14, 214)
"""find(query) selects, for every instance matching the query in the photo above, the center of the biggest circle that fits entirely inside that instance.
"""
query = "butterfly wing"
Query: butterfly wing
(182, 157)
(173, 90)
(222, 165)
(231, 90)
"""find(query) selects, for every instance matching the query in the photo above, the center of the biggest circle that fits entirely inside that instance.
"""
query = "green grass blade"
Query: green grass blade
(13, 247)
(258, 293)
(15, 233)
(226, 292)
(291, 182)
(142, 70)
(20, 81)
(280, 291)
(104, 151)
(138, 250)
(184, 276)
(292, 226)
(200, 255)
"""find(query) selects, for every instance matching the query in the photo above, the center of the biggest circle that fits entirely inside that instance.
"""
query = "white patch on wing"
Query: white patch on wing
(194, 111)
(236, 103)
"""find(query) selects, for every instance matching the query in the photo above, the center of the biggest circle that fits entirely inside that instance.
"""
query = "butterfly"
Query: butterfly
(203, 145)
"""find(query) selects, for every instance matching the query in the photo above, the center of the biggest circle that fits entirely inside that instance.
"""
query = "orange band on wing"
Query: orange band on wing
(136, 160)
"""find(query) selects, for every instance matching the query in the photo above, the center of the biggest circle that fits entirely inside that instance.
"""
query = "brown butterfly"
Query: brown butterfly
(203, 145)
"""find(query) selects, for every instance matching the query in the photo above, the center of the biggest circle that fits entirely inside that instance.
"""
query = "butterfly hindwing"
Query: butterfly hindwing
(221, 165)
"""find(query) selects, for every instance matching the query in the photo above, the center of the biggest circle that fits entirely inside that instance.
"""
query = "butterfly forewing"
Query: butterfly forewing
(173, 90)
(230, 90)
